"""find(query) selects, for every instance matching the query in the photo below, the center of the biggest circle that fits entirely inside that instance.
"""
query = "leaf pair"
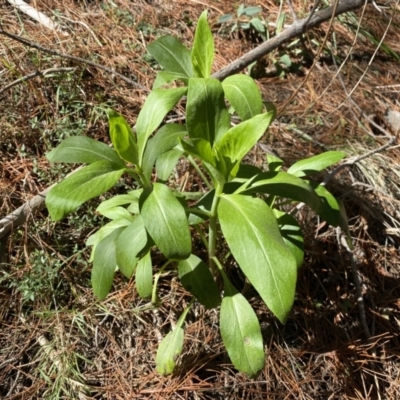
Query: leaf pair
(208, 122)
(179, 62)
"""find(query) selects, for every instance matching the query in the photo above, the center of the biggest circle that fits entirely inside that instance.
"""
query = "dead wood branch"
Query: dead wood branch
(21, 214)
(80, 60)
(34, 75)
(296, 29)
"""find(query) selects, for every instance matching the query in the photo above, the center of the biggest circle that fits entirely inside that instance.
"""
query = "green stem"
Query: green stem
(137, 174)
(183, 316)
(212, 233)
(145, 182)
(156, 278)
(201, 233)
(200, 172)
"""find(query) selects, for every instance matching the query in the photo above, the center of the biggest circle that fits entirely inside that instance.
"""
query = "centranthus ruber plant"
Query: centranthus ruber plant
(240, 215)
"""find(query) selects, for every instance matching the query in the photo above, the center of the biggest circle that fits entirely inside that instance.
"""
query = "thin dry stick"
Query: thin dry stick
(296, 29)
(35, 74)
(351, 162)
(21, 214)
(73, 58)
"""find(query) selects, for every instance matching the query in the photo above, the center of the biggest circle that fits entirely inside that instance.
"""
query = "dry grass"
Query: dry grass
(58, 342)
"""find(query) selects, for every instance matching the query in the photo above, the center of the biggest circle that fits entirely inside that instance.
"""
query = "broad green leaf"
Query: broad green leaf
(133, 208)
(240, 331)
(97, 237)
(240, 10)
(144, 276)
(132, 240)
(274, 163)
(286, 60)
(217, 176)
(197, 279)
(330, 206)
(247, 171)
(252, 233)
(165, 220)
(280, 24)
(244, 95)
(81, 149)
(172, 55)
(157, 105)
(116, 201)
(287, 186)
(171, 347)
(91, 181)
(259, 27)
(200, 149)
(240, 139)
(225, 18)
(164, 77)
(291, 235)
(203, 48)
(166, 163)
(117, 213)
(166, 138)
(206, 114)
(169, 350)
(252, 10)
(104, 264)
(317, 163)
(122, 137)
(105, 230)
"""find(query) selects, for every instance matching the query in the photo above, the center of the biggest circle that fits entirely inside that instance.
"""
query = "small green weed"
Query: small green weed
(245, 21)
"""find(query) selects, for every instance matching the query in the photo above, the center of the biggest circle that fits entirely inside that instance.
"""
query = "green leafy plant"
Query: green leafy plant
(245, 20)
(239, 215)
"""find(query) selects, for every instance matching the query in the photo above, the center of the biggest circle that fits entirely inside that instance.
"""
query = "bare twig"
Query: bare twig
(35, 74)
(290, 6)
(351, 162)
(313, 10)
(21, 214)
(296, 29)
(27, 42)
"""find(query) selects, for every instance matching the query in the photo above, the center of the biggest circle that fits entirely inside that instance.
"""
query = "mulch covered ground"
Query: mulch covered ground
(58, 342)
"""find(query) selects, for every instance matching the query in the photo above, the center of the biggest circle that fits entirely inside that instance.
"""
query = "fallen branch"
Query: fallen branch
(27, 42)
(296, 29)
(35, 74)
(21, 214)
